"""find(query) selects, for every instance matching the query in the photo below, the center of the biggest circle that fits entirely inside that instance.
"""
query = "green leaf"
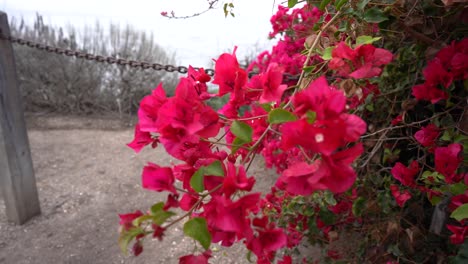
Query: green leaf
(137, 221)
(278, 116)
(308, 69)
(362, 4)
(162, 216)
(236, 144)
(249, 256)
(457, 188)
(311, 116)
(197, 229)
(327, 53)
(460, 213)
(214, 169)
(197, 180)
(242, 131)
(292, 3)
(340, 3)
(329, 198)
(266, 107)
(446, 136)
(157, 208)
(361, 40)
(323, 4)
(327, 217)
(358, 206)
(126, 236)
(374, 15)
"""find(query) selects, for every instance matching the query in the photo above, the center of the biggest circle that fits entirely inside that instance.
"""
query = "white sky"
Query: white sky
(195, 41)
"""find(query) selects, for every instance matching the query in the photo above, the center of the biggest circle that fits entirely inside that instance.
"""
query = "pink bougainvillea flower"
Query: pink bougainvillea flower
(447, 160)
(158, 232)
(228, 74)
(435, 73)
(459, 234)
(149, 109)
(335, 171)
(187, 202)
(366, 60)
(458, 200)
(299, 179)
(225, 215)
(137, 248)
(406, 175)
(266, 242)
(397, 120)
(427, 135)
(400, 197)
(285, 260)
(271, 84)
(158, 178)
(196, 259)
(428, 92)
(141, 139)
(236, 179)
(323, 136)
(200, 78)
(326, 101)
(172, 201)
(127, 219)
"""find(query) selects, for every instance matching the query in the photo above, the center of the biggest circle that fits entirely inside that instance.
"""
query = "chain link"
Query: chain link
(99, 58)
(112, 60)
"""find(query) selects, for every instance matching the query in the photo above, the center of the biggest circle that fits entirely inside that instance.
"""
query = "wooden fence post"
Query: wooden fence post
(17, 181)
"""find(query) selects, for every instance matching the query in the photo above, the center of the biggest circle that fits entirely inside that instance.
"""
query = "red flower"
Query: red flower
(195, 259)
(149, 108)
(158, 232)
(366, 60)
(267, 242)
(127, 219)
(141, 139)
(236, 180)
(428, 92)
(336, 172)
(459, 234)
(299, 179)
(447, 160)
(326, 101)
(187, 202)
(158, 178)
(405, 175)
(285, 260)
(427, 135)
(333, 172)
(458, 200)
(435, 73)
(400, 197)
(397, 120)
(228, 74)
(270, 84)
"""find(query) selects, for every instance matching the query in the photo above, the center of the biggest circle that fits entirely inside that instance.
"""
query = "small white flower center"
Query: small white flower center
(319, 138)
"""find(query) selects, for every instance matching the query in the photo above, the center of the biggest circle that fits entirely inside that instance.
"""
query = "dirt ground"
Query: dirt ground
(86, 175)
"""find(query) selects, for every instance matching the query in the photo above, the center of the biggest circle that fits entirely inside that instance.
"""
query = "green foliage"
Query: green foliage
(214, 169)
(460, 213)
(278, 116)
(197, 229)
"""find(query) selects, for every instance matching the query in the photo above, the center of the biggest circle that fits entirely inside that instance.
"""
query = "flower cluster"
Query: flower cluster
(308, 129)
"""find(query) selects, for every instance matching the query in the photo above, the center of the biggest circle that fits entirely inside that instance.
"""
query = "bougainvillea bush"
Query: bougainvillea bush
(361, 108)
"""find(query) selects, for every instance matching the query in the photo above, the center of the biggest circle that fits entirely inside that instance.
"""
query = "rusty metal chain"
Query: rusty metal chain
(111, 60)
(99, 58)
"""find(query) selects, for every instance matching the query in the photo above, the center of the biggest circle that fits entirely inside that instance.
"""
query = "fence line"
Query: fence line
(112, 60)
